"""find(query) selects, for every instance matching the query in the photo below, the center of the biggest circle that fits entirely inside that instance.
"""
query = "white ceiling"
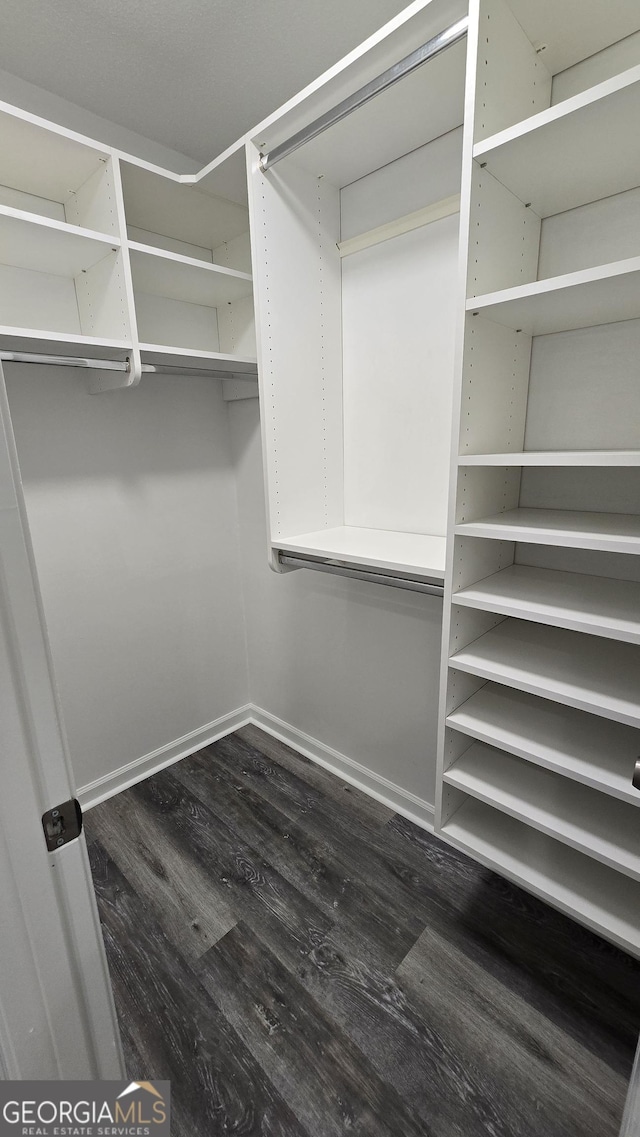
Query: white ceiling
(191, 74)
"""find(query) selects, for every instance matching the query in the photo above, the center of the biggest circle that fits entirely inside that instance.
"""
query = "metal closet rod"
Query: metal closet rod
(400, 70)
(339, 568)
(114, 365)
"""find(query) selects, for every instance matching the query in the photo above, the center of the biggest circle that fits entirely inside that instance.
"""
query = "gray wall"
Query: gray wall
(131, 502)
(352, 664)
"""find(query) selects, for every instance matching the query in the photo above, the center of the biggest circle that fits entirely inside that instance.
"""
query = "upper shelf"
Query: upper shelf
(415, 554)
(572, 529)
(553, 458)
(62, 343)
(162, 273)
(576, 152)
(43, 244)
(601, 295)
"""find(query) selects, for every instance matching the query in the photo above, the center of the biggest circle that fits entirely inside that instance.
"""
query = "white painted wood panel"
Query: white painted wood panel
(585, 391)
(201, 360)
(163, 206)
(43, 160)
(599, 233)
(398, 311)
(594, 751)
(581, 602)
(176, 323)
(601, 827)
(599, 676)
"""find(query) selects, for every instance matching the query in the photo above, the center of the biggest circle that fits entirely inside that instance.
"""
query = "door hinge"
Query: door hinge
(62, 824)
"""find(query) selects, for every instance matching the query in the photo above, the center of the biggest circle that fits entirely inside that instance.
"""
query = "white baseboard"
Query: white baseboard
(395, 797)
(375, 785)
(95, 792)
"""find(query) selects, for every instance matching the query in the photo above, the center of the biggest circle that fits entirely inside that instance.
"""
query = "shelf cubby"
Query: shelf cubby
(585, 672)
(594, 751)
(600, 827)
(578, 601)
(572, 153)
(53, 173)
(602, 898)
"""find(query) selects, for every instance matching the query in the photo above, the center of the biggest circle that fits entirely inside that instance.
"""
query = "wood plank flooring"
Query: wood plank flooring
(301, 962)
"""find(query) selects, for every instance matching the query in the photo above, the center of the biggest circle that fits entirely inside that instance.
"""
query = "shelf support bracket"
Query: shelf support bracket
(111, 380)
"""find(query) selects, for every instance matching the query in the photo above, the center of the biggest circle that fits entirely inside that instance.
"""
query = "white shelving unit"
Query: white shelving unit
(356, 324)
(540, 706)
(103, 256)
(191, 269)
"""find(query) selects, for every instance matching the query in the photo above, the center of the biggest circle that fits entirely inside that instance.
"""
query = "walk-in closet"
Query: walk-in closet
(319, 586)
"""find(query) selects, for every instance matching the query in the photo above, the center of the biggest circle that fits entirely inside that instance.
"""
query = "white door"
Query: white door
(57, 1018)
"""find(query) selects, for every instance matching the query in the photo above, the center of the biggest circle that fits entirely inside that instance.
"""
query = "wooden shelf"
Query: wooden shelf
(202, 360)
(601, 295)
(601, 827)
(43, 244)
(61, 343)
(572, 529)
(594, 751)
(416, 554)
(573, 153)
(578, 601)
(162, 273)
(599, 676)
(604, 900)
(554, 458)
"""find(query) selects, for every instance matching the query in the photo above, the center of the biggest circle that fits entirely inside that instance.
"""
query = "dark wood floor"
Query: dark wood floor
(301, 962)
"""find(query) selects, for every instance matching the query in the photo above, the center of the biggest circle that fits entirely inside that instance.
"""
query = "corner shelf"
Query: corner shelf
(417, 554)
(577, 601)
(602, 295)
(575, 152)
(594, 751)
(572, 529)
(585, 672)
(159, 272)
(601, 898)
(608, 458)
(600, 827)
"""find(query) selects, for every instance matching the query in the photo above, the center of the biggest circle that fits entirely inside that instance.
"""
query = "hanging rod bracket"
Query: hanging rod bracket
(111, 380)
(429, 50)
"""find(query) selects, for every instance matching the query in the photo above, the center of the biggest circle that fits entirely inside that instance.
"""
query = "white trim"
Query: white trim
(401, 801)
(446, 207)
(375, 785)
(95, 792)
